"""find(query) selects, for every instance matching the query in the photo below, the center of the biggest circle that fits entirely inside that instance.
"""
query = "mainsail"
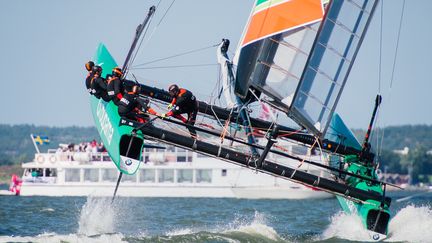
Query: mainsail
(275, 46)
(301, 66)
(329, 63)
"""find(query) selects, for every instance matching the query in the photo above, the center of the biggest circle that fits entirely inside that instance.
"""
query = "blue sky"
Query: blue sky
(44, 45)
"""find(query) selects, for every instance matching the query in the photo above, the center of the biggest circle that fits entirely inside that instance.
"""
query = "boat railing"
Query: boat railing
(64, 156)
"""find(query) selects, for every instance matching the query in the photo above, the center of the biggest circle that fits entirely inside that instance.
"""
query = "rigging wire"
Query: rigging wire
(394, 61)
(176, 66)
(139, 46)
(176, 55)
(154, 30)
(397, 44)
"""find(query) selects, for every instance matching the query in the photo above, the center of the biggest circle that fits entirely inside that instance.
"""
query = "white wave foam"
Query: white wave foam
(54, 238)
(412, 224)
(47, 210)
(97, 217)
(346, 226)
(180, 232)
(257, 227)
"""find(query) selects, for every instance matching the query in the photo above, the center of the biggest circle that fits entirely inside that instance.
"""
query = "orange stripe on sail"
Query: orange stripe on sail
(282, 17)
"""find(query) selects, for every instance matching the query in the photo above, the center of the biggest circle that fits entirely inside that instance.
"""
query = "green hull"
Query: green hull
(115, 137)
(374, 214)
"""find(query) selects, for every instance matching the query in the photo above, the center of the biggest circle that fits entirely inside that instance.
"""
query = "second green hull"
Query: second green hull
(124, 149)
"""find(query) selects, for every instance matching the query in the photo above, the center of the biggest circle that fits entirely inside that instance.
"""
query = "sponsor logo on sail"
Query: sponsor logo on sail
(105, 124)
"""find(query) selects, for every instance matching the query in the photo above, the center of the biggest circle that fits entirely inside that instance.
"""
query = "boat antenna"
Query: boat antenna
(366, 145)
(139, 30)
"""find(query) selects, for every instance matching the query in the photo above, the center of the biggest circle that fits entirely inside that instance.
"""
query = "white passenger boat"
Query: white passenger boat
(170, 172)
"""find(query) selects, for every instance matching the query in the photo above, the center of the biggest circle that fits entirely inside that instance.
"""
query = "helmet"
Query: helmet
(117, 72)
(89, 65)
(97, 69)
(136, 89)
(173, 90)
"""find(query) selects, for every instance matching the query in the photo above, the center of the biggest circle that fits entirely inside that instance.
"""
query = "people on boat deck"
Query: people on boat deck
(89, 66)
(183, 102)
(98, 84)
(134, 107)
(115, 85)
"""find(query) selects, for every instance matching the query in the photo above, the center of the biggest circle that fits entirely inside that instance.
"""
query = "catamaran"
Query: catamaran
(295, 56)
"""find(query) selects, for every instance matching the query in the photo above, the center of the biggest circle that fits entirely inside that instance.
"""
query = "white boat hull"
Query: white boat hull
(197, 176)
(127, 190)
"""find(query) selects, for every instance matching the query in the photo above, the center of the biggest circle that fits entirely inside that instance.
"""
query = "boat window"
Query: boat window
(170, 149)
(166, 175)
(204, 176)
(181, 158)
(147, 175)
(128, 178)
(72, 175)
(91, 175)
(106, 157)
(224, 172)
(181, 150)
(50, 172)
(201, 155)
(185, 176)
(109, 175)
(189, 158)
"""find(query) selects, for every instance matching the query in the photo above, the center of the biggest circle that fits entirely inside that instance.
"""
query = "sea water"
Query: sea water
(95, 219)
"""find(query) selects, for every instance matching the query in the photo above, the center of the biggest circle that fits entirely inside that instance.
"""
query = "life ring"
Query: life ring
(40, 159)
(52, 159)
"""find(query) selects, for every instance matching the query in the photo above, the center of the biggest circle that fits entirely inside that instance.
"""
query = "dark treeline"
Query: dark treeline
(417, 138)
(16, 145)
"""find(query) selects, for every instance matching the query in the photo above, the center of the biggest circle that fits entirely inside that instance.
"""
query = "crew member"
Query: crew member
(134, 107)
(183, 101)
(98, 84)
(114, 85)
(89, 66)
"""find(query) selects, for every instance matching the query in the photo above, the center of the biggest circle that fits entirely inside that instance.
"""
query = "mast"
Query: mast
(139, 30)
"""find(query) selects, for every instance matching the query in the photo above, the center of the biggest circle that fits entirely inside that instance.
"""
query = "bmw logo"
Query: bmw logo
(376, 237)
(128, 162)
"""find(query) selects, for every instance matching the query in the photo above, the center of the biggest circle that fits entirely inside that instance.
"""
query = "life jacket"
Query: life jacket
(98, 84)
(89, 80)
(127, 103)
(185, 101)
(114, 87)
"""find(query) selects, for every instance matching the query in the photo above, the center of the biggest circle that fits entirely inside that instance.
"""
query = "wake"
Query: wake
(410, 224)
